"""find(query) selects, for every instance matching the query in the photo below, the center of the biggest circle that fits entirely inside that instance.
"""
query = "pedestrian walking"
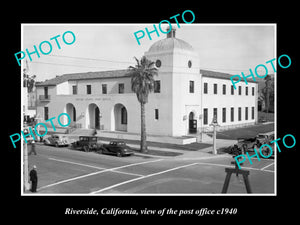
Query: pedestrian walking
(32, 150)
(33, 179)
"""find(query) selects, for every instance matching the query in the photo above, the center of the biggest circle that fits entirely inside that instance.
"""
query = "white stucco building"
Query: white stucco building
(184, 101)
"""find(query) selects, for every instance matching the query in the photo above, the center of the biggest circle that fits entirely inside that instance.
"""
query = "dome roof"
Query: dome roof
(168, 44)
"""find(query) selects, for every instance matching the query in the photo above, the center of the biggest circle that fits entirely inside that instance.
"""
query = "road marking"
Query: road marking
(95, 173)
(143, 177)
(267, 166)
(75, 163)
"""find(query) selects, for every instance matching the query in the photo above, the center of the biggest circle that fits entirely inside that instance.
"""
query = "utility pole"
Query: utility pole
(25, 166)
(214, 124)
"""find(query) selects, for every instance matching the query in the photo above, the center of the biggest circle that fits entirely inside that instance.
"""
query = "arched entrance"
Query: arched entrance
(71, 111)
(192, 123)
(93, 117)
(119, 118)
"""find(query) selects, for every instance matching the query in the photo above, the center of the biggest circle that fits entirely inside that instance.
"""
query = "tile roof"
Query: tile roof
(220, 75)
(84, 76)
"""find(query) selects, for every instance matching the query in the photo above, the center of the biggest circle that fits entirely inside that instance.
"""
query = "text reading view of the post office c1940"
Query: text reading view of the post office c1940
(31, 133)
(232, 78)
(46, 50)
(159, 26)
(262, 147)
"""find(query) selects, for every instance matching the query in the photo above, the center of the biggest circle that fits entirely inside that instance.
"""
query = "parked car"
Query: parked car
(57, 140)
(243, 145)
(266, 138)
(118, 148)
(87, 143)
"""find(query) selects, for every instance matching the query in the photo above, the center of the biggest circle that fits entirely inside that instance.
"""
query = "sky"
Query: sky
(229, 48)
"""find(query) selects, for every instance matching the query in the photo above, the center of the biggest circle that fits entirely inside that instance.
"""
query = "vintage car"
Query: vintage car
(57, 140)
(87, 143)
(118, 148)
(243, 145)
(266, 138)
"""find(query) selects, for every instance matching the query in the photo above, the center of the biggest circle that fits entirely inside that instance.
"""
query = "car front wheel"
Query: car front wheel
(119, 154)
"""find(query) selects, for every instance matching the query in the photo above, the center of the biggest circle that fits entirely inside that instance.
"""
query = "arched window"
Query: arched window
(123, 115)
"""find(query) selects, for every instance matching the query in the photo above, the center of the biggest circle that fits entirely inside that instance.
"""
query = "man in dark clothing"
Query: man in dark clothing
(32, 148)
(33, 179)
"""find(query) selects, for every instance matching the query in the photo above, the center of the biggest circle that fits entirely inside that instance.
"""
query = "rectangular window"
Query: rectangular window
(224, 89)
(232, 90)
(231, 114)
(121, 88)
(46, 113)
(224, 115)
(246, 113)
(215, 115)
(205, 88)
(74, 89)
(215, 88)
(253, 91)
(88, 89)
(205, 114)
(240, 114)
(156, 116)
(246, 90)
(157, 86)
(104, 88)
(252, 113)
(46, 92)
(191, 86)
(240, 90)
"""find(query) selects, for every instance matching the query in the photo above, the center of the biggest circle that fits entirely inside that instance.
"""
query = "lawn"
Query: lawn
(250, 131)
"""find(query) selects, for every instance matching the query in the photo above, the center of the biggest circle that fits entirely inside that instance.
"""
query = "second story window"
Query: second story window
(224, 89)
(205, 88)
(215, 88)
(191, 86)
(157, 86)
(88, 89)
(74, 89)
(104, 88)
(121, 88)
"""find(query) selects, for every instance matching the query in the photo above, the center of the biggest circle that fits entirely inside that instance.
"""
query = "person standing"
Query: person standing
(33, 179)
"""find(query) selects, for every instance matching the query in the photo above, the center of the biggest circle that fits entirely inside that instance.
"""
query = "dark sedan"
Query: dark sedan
(118, 148)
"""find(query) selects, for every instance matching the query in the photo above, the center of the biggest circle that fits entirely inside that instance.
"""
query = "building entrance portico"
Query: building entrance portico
(93, 116)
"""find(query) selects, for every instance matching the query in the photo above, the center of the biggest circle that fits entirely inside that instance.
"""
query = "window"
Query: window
(158, 63)
(205, 88)
(246, 113)
(231, 114)
(224, 115)
(156, 114)
(246, 90)
(215, 115)
(232, 90)
(121, 88)
(74, 89)
(123, 115)
(240, 90)
(46, 113)
(191, 86)
(205, 114)
(88, 89)
(224, 89)
(240, 114)
(252, 113)
(157, 86)
(46, 92)
(104, 88)
(215, 89)
(252, 91)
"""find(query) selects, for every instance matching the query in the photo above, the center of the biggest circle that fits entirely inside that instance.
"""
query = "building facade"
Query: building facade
(185, 99)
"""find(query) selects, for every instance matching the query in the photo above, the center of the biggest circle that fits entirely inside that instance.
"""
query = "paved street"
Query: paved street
(66, 171)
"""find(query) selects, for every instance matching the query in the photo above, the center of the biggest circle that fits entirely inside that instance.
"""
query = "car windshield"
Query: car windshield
(261, 136)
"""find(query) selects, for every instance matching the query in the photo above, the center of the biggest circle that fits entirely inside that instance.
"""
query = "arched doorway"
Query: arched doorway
(71, 111)
(93, 117)
(119, 118)
(192, 123)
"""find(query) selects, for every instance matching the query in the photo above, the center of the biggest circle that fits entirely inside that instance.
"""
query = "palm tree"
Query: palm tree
(142, 83)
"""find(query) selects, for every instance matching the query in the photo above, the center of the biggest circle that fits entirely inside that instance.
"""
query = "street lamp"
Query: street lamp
(214, 124)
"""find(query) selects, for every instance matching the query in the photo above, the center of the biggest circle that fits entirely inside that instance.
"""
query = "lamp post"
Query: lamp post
(214, 124)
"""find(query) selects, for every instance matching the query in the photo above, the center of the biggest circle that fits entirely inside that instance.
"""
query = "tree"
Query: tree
(142, 83)
(268, 90)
